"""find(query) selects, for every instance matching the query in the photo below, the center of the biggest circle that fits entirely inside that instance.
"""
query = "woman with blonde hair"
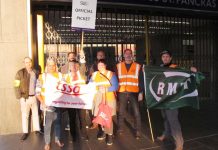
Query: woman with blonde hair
(52, 114)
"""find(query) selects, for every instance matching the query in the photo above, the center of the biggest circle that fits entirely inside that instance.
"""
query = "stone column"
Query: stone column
(13, 48)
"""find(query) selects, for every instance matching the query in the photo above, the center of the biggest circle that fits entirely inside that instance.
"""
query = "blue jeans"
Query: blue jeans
(52, 117)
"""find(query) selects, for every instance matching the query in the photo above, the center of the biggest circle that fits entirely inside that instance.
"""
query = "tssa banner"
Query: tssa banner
(70, 96)
(168, 88)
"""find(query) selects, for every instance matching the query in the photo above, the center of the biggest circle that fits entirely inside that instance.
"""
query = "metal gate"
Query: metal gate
(191, 39)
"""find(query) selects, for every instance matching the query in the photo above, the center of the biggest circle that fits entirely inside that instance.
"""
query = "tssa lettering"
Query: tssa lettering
(65, 88)
(76, 89)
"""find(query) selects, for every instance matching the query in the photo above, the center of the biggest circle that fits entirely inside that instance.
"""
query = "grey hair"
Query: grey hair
(27, 58)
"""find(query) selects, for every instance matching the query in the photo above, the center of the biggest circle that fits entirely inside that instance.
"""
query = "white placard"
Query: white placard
(83, 14)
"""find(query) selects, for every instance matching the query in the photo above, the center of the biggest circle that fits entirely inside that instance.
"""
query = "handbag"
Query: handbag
(104, 116)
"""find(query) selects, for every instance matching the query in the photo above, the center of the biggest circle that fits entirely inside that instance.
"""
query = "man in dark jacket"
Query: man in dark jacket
(25, 84)
(172, 126)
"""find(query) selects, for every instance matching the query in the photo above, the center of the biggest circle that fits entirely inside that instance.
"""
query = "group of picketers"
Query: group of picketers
(121, 84)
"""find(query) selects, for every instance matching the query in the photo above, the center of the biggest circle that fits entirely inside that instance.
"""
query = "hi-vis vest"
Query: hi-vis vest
(128, 81)
(77, 80)
(173, 66)
(44, 80)
(104, 80)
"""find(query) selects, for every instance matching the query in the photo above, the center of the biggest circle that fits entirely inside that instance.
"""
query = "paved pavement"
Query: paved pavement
(200, 131)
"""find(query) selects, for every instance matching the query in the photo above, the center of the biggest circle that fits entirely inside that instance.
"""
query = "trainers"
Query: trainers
(178, 148)
(137, 135)
(67, 128)
(109, 139)
(119, 131)
(47, 147)
(38, 132)
(101, 135)
(84, 136)
(24, 136)
(59, 143)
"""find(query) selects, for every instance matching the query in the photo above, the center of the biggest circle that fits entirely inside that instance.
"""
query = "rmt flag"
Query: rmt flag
(167, 88)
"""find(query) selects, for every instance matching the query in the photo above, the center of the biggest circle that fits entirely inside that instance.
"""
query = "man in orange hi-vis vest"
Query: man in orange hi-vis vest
(129, 73)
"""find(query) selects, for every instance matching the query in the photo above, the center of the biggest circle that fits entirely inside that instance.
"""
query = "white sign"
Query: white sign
(70, 96)
(83, 14)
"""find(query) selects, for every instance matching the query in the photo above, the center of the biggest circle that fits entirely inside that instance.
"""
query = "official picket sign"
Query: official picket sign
(83, 14)
(68, 96)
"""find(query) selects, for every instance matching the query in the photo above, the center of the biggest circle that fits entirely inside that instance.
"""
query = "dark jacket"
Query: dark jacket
(94, 67)
(23, 78)
(170, 65)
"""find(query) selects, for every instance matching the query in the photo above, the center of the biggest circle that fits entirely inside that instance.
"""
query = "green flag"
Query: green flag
(167, 88)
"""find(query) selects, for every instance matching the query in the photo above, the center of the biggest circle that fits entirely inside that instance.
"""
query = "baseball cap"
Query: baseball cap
(166, 52)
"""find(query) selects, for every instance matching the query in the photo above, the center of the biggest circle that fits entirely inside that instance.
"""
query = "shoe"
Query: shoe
(137, 135)
(47, 147)
(109, 139)
(119, 131)
(178, 148)
(67, 128)
(101, 135)
(38, 132)
(161, 138)
(24, 136)
(59, 144)
(94, 125)
(84, 136)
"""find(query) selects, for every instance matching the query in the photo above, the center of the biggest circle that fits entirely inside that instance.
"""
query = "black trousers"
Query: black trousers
(75, 121)
(124, 98)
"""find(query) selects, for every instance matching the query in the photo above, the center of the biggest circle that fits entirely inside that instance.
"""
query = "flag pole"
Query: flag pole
(147, 62)
(151, 130)
(44, 115)
(81, 44)
(149, 118)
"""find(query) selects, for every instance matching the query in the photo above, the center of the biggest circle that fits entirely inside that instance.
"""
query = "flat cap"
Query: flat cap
(166, 52)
